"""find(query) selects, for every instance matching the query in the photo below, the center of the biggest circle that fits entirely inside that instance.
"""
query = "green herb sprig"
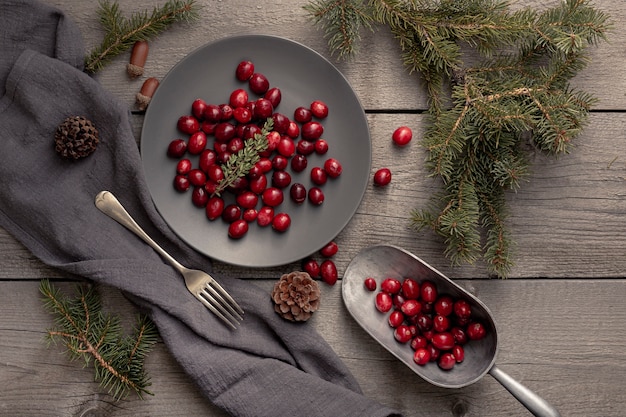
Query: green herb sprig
(88, 333)
(239, 164)
(122, 33)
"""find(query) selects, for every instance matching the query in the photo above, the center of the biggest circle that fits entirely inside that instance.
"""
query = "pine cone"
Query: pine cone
(76, 138)
(296, 296)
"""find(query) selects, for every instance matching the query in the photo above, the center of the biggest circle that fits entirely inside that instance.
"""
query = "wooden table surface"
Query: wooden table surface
(561, 313)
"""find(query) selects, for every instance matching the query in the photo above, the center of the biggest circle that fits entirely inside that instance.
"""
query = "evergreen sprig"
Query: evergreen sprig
(239, 164)
(88, 333)
(121, 33)
(482, 114)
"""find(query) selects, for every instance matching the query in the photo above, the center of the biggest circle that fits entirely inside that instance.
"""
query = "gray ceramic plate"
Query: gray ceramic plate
(303, 76)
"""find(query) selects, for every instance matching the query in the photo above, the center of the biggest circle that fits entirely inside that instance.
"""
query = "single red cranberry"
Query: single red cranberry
(318, 176)
(402, 333)
(280, 162)
(263, 109)
(244, 70)
(424, 322)
(224, 131)
(333, 167)
(395, 319)
(402, 136)
(235, 145)
(428, 292)
(398, 300)
(212, 113)
(321, 146)
(188, 124)
(273, 138)
(383, 302)
(286, 147)
(316, 196)
(227, 112)
(297, 192)
(302, 115)
(441, 323)
(312, 130)
(460, 338)
(215, 173)
(214, 208)
(265, 164)
(462, 309)
(250, 215)
(444, 305)
(419, 341)
(382, 177)
(272, 197)
(242, 115)
(443, 341)
(207, 158)
(197, 177)
(181, 183)
(281, 123)
(329, 250)
(311, 267)
(208, 127)
(305, 147)
(237, 229)
(247, 200)
(421, 356)
(391, 285)
(411, 307)
(265, 216)
(281, 222)
(258, 83)
(446, 361)
(197, 108)
(370, 284)
(197, 143)
(199, 197)
(293, 130)
(411, 288)
(459, 353)
(238, 98)
(319, 109)
(281, 179)
(274, 95)
(210, 187)
(434, 352)
(183, 166)
(258, 184)
(328, 271)
(476, 331)
(238, 185)
(299, 163)
(177, 148)
(231, 213)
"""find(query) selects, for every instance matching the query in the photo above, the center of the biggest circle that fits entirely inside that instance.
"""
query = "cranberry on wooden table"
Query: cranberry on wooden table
(402, 136)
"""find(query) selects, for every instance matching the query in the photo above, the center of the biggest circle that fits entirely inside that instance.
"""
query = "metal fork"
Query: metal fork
(200, 284)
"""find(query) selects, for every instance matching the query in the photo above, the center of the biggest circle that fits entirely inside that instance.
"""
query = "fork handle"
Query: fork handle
(107, 203)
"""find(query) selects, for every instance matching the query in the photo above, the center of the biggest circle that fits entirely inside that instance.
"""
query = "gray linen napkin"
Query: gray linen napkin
(268, 367)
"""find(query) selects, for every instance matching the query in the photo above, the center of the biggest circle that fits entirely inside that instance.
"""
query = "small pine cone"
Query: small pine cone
(296, 296)
(76, 138)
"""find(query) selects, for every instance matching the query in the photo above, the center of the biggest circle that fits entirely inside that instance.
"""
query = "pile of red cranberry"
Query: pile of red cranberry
(259, 193)
(436, 326)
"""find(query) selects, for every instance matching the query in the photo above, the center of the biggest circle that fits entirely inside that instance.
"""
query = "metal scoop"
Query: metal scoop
(380, 262)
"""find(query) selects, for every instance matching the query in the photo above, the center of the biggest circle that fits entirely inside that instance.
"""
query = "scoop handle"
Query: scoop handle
(534, 403)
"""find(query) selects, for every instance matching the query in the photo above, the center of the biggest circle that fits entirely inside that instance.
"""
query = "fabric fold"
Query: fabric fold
(268, 367)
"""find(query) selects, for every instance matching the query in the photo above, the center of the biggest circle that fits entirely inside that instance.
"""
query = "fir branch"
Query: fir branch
(481, 114)
(122, 33)
(242, 162)
(90, 334)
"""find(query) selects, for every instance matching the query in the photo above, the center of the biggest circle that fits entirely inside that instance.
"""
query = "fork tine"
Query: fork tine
(210, 305)
(223, 303)
(218, 308)
(226, 298)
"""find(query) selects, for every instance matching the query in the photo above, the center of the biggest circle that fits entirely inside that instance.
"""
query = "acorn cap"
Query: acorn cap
(76, 138)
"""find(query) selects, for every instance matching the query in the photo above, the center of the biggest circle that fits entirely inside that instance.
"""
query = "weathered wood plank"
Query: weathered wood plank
(562, 338)
(567, 220)
(376, 73)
